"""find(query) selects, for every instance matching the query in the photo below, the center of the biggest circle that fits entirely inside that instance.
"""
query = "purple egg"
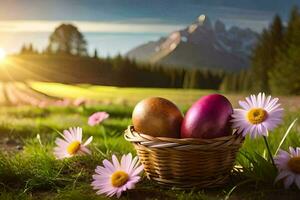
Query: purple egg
(208, 118)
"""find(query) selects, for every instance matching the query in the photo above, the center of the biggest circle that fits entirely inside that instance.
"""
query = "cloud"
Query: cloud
(256, 25)
(86, 26)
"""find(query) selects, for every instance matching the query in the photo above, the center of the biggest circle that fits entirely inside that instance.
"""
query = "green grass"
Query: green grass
(34, 173)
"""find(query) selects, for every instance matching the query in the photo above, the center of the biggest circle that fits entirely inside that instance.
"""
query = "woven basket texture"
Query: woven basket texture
(186, 163)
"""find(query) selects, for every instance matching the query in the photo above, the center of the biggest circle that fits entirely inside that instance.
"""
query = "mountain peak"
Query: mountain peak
(201, 19)
(201, 24)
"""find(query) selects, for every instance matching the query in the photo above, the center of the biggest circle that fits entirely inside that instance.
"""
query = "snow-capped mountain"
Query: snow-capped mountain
(201, 45)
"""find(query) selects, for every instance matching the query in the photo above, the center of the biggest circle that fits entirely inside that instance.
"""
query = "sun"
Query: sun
(2, 54)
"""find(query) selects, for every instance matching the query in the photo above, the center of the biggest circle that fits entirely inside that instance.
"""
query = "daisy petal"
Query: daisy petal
(282, 175)
(297, 181)
(115, 162)
(85, 150)
(138, 170)
(68, 136)
(244, 105)
(88, 141)
(288, 181)
(108, 165)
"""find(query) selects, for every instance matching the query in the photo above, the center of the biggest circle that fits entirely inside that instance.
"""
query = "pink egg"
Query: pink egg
(208, 118)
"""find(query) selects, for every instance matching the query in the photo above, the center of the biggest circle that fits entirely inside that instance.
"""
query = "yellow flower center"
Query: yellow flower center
(257, 115)
(73, 147)
(294, 165)
(119, 178)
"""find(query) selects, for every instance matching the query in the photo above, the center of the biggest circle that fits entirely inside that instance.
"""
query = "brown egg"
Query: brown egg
(157, 117)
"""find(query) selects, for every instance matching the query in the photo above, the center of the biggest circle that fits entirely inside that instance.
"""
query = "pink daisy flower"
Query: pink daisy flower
(259, 115)
(288, 165)
(43, 104)
(71, 144)
(97, 118)
(79, 102)
(63, 103)
(115, 178)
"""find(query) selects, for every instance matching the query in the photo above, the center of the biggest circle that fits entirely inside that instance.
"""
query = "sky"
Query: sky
(116, 26)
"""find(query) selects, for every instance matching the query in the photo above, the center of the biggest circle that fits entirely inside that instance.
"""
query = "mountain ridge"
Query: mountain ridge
(201, 45)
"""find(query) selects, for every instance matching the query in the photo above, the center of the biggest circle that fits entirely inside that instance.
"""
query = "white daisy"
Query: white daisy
(259, 115)
(288, 165)
(115, 178)
(71, 144)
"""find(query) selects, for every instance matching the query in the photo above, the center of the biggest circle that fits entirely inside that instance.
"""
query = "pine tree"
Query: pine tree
(276, 33)
(30, 49)
(194, 79)
(23, 49)
(265, 54)
(292, 28)
(235, 82)
(95, 54)
(247, 82)
(186, 81)
(259, 64)
(48, 50)
(225, 86)
(284, 78)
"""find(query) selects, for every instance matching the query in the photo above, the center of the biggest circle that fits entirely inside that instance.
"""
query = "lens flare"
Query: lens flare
(2, 54)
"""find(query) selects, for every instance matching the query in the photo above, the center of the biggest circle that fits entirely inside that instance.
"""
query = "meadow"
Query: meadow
(29, 170)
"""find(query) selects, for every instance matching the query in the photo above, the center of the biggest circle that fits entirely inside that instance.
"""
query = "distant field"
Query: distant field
(117, 95)
(130, 96)
(41, 93)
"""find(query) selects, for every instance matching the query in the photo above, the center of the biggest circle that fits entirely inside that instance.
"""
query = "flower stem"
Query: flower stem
(269, 151)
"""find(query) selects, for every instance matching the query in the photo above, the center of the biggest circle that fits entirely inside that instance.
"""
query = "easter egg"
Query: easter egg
(208, 118)
(157, 117)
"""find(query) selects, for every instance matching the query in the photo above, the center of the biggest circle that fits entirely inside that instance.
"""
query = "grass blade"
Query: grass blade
(285, 135)
(232, 189)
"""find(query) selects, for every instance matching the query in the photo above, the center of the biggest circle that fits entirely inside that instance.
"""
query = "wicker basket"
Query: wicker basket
(186, 163)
